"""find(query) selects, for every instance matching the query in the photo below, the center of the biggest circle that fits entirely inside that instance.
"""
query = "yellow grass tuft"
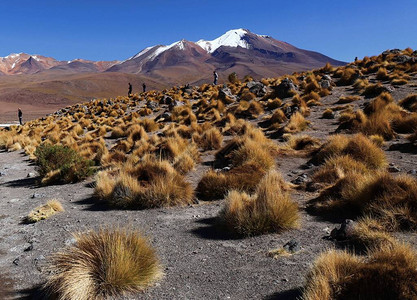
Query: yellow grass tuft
(45, 211)
(270, 209)
(103, 264)
(387, 273)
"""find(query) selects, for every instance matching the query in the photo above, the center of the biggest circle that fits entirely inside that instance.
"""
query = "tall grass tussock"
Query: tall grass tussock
(103, 264)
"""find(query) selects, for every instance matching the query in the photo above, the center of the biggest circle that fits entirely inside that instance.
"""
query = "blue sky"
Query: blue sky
(107, 30)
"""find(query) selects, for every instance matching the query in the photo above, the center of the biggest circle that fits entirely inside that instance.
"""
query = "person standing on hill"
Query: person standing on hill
(144, 87)
(129, 92)
(216, 76)
(20, 115)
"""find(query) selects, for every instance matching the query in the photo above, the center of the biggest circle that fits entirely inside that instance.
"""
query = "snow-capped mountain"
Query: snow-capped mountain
(23, 63)
(237, 50)
(232, 38)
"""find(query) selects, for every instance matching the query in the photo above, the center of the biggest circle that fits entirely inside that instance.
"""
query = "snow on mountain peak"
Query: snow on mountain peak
(232, 38)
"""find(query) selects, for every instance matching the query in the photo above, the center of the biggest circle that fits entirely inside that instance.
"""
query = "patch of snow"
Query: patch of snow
(36, 58)
(14, 65)
(162, 49)
(141, 52)
(232, 38)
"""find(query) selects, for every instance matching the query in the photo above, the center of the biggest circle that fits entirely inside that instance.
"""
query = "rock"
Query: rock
(166, 100)
(327, 77)
(29, 248)
(394, 169)
(70, 242)
(31, 175)
(226, 94)
(300, 179)
(326, 84)
(152, 105)
(16, 261)
(284, 89)
(345, 231)
(292, 246)
(402, 59)
(36, 195)
(412, 172)
(2, 174)
(258, 88)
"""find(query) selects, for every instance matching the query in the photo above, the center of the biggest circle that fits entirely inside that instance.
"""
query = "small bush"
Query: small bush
(64, 163)
(103, 264)
(270, 209)
(45, 211)
(389, 200)
(409, 102)
(388, 272)
(148, 184)
(359, 147)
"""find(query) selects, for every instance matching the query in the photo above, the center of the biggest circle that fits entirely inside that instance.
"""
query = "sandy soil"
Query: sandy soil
(199, 261)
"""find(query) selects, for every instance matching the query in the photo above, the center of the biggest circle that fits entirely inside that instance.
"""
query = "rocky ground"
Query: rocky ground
(199, 261)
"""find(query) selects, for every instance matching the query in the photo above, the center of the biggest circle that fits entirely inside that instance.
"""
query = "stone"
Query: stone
(292, 246)
(31, 175)
(325, 84)
(226, 94)
(16, 261)
(2, 174)
(152, 105)
(36, 195)
(412, 172)
(283, 90)
(344, 232)
(394, 169)
(300, 179)
(258, 88)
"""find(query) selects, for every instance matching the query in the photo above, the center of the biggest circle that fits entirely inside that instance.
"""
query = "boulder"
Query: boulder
(258, 88)
(284, 89)
(344, 232)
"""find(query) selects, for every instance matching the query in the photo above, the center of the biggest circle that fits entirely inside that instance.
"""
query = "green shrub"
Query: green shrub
(60, 164)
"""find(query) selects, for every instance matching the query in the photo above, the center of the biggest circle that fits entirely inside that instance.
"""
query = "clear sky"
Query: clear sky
(117, 29)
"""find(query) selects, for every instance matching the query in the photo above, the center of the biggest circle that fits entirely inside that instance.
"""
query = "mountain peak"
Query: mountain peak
(232, 38)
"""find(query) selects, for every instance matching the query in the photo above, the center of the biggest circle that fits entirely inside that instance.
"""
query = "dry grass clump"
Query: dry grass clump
(210, 139)
(348, 76)
(270, 209)
(359, 147)
(374, 90)
(337, 167)
(388, 272)
(328, 114)
(389, 200)
(148, 184)
(297, 123)
(103, 264)
(409, 102)
(347, 99)
(44, 211)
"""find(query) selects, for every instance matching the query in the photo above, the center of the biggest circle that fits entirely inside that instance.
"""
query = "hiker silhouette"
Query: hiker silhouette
(144, 87)
(20, 115)
(130, 90)
(216, 76)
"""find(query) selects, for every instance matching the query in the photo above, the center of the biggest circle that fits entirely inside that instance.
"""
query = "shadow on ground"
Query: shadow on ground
(25, 182)
(34, 293)
(404, 148)
(292, 294)
(213, 230)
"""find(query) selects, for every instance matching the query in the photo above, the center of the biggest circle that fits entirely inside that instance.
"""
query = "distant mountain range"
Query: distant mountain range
(39, 83)
(237, 50)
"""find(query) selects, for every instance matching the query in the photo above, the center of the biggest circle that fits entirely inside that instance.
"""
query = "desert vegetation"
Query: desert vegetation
(262, 157)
